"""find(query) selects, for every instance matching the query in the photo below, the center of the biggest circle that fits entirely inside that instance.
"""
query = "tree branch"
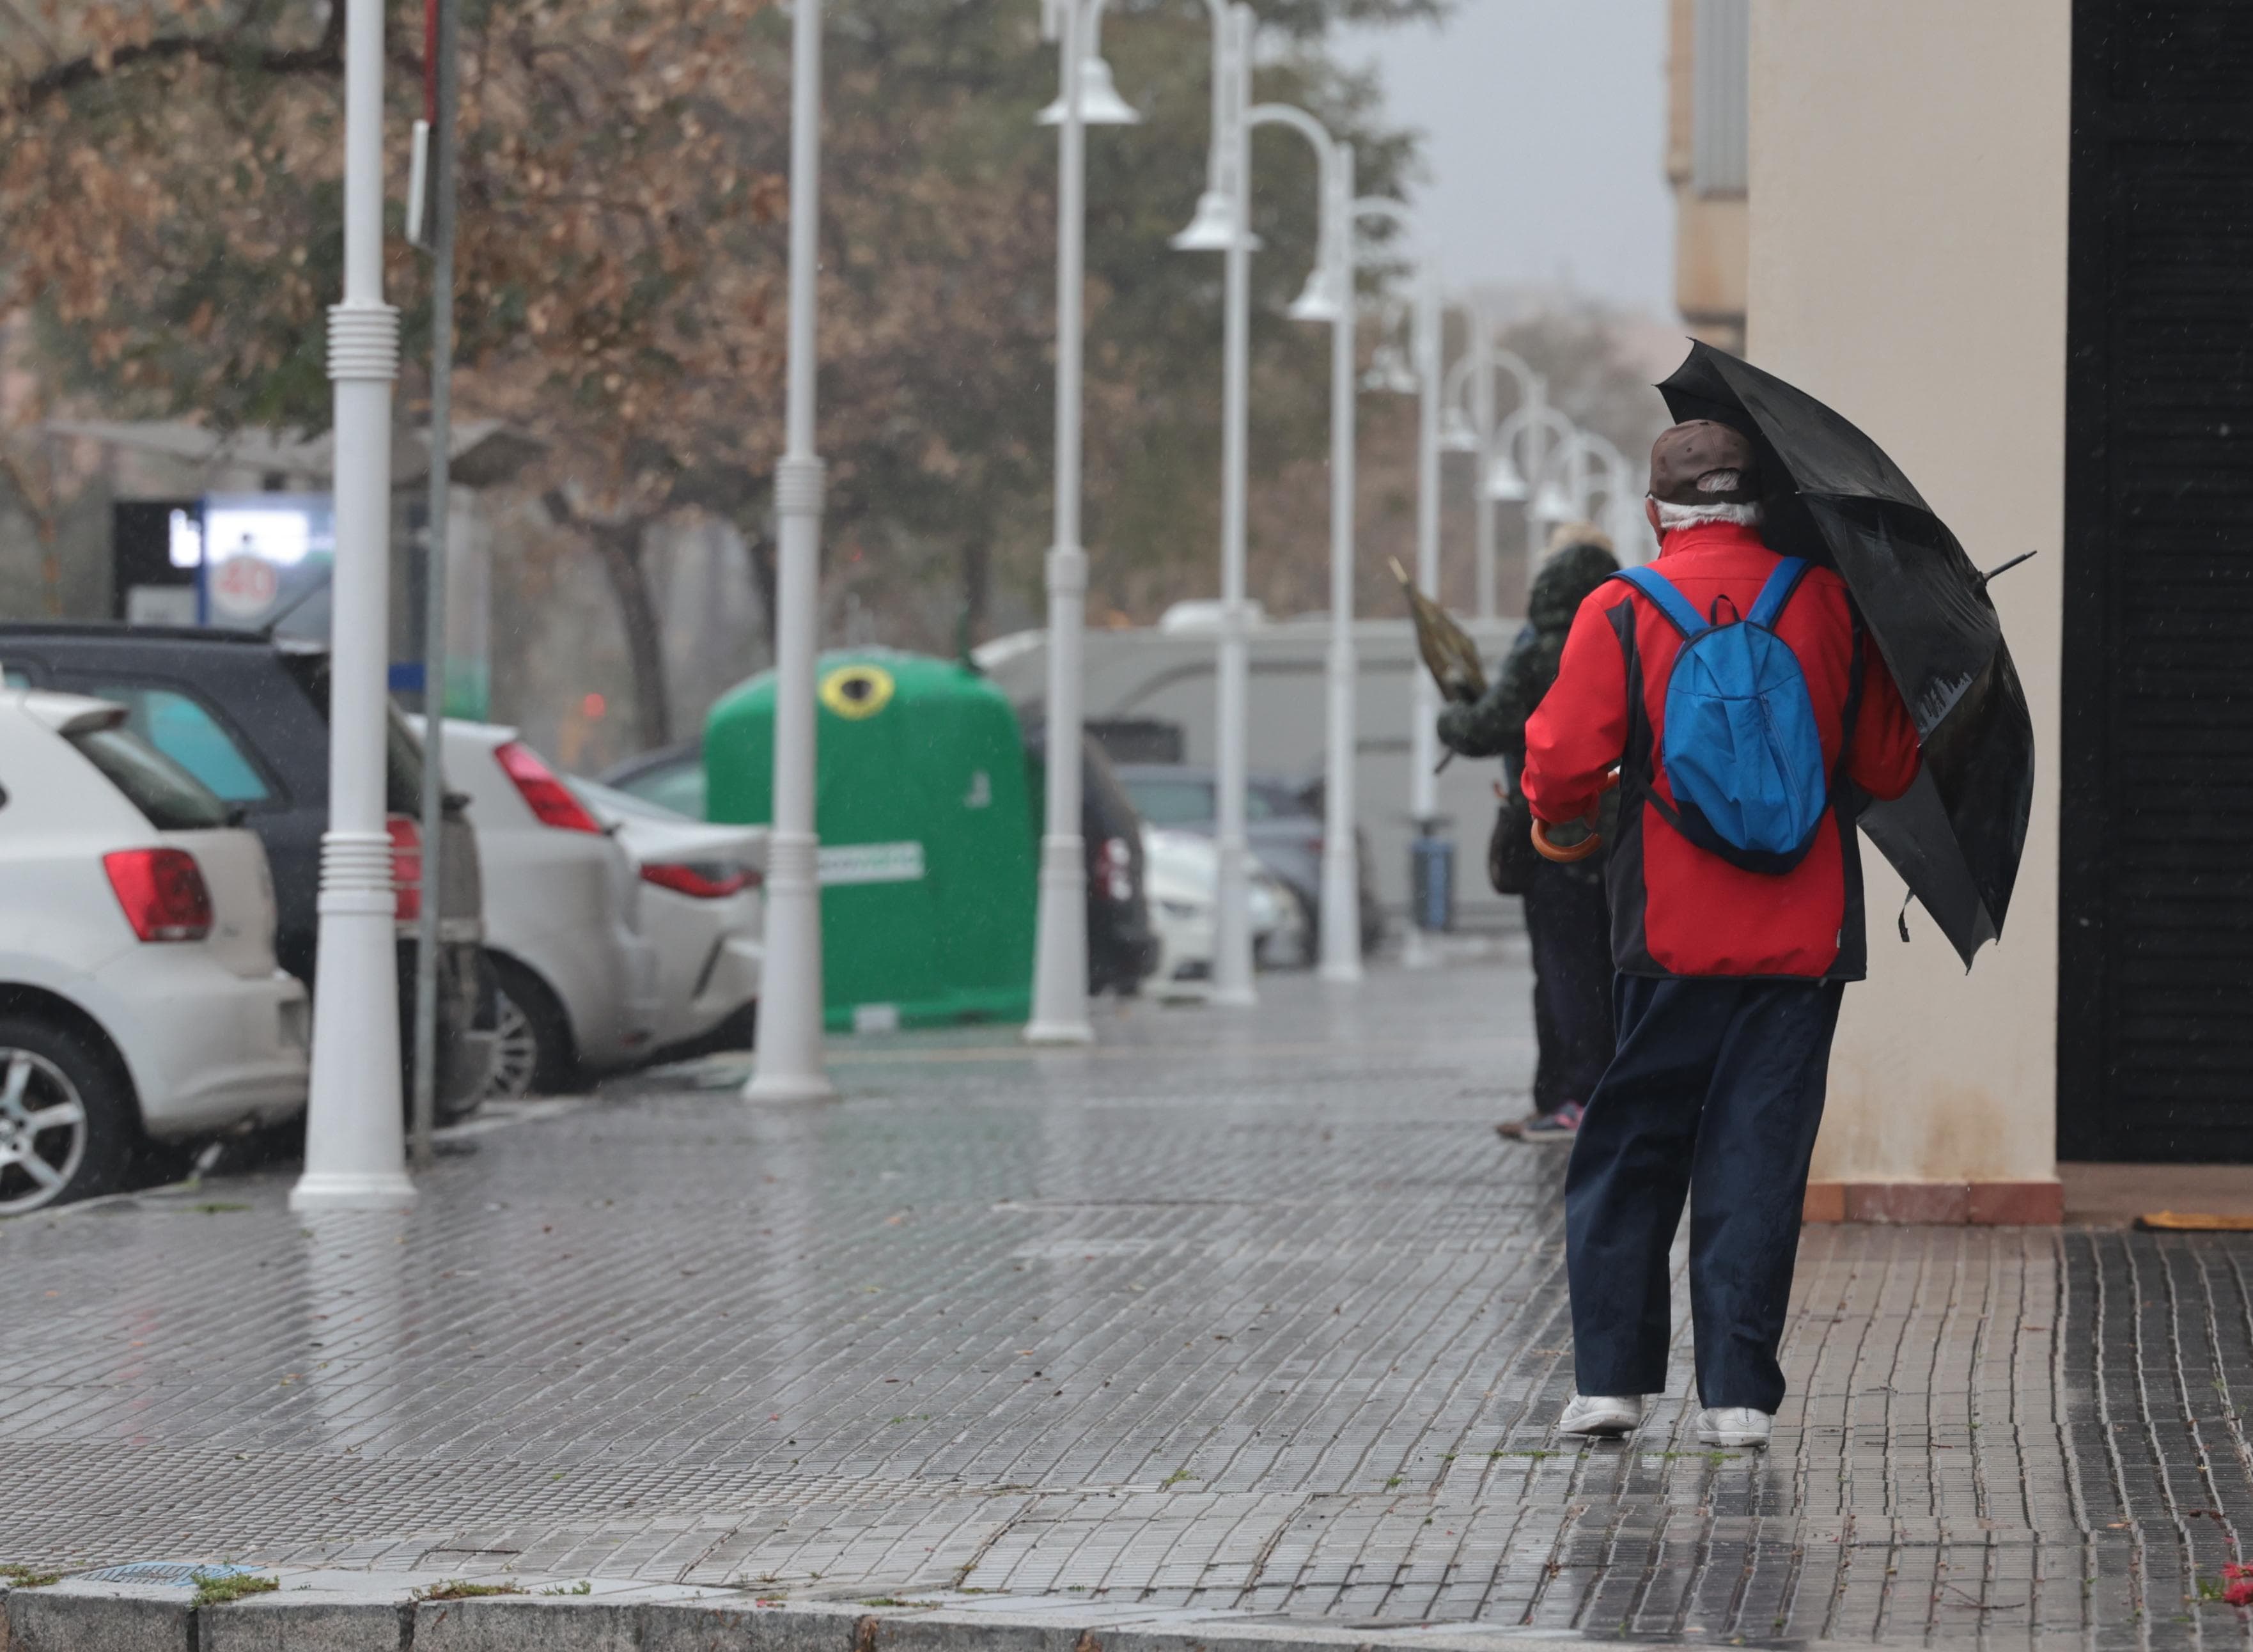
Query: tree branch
(219, 49)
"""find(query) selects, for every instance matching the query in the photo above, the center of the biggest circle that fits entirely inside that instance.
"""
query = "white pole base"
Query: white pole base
(1341, 925)
(1060, 952)
(355, 1136)
(787, 1066)
(1234, 997)
(789, 1087)
(344, 1191)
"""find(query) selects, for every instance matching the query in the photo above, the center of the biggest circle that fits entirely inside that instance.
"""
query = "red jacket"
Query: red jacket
(1675, 909)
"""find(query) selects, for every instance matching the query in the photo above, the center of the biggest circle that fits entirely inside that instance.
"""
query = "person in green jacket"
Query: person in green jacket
(1567, 919)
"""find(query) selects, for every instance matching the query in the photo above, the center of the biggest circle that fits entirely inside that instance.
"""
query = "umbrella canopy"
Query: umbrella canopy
(1833, 496)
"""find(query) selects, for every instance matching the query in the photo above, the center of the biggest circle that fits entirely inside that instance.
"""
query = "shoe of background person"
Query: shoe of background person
(1514, 1129)
(1733, 1425)
(1560, 1125)
(1601, 1414)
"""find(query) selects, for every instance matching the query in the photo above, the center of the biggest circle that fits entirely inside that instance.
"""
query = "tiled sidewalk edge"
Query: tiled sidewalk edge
(80, 1617)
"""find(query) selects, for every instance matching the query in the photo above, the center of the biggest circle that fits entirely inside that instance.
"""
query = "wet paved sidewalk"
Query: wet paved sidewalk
(1242, 1313)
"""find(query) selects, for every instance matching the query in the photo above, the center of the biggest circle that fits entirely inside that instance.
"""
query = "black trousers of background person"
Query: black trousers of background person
(1716, 1093)
(1569, 922)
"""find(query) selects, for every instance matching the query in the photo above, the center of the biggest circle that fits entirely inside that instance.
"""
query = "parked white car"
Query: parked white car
(1181, 878)
(702, 910)
(578, 979)
(138, 990)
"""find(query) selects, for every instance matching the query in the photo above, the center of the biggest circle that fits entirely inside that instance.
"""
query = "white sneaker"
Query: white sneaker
(1733, 1425)
(1600, 1414)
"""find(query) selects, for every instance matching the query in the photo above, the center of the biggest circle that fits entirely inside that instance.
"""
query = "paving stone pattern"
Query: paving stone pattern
(1243, 1313)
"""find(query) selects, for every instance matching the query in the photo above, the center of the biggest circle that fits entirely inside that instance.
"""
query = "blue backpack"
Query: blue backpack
(1742, 752)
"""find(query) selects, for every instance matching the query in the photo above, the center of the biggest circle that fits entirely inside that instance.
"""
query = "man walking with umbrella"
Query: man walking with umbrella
(1738, 696)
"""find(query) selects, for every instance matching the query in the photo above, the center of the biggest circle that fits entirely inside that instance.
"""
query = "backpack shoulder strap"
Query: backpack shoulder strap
(1665, 598)
(1777, 592)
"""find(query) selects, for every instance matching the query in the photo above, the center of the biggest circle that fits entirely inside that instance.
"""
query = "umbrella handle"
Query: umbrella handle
(1566, 855)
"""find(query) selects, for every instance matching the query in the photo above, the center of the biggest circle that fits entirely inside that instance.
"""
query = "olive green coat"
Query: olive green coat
(1494, 726)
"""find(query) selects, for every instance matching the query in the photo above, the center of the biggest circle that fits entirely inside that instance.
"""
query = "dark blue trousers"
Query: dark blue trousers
(1569, 923)
(1715, 1092)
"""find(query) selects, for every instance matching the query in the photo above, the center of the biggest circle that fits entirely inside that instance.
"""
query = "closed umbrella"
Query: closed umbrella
(1449, 654)
(1833, 496)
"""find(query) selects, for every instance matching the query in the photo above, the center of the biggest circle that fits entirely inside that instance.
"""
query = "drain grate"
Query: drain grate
(182, 1574)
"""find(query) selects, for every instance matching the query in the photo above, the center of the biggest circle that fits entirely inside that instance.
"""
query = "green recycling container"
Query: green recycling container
(927, 850)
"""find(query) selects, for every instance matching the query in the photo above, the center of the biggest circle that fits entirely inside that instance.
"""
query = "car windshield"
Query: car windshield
(1271, 800)
(676, 787)
(1187, 800)
(185, 730)
(173, 800)
(1170, 802)
(402, 752)
(617, 800)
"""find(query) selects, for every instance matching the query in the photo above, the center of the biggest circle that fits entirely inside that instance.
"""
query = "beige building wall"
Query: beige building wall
(1709, 230)
(1909, 267)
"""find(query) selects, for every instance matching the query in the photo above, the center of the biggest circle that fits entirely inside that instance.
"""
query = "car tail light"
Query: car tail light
(706, 882)
(547, 797)
(406, 867)
(163, 893)
(1114, 871)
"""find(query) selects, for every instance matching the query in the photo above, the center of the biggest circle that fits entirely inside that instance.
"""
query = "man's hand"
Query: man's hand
(1456, 729)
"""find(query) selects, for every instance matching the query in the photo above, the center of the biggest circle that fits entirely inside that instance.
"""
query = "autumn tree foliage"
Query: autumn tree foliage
(170, 211)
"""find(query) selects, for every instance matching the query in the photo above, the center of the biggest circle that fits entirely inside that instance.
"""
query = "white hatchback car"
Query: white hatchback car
(1182, 878)
(578, 979)
(702, 910)
(138, 990)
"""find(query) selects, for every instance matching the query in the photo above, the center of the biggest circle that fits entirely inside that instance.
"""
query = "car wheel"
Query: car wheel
(68, 1123)
(532, 1042)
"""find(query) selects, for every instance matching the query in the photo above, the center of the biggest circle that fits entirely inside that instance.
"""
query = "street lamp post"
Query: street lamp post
(1341, 937)
(1418, 951)
(1059, 1014)
(1231, 972)
(1482, 358)
(790, 1065)
(355, 1146)
(1089, 98)
(1329, 296)
(1424, 742)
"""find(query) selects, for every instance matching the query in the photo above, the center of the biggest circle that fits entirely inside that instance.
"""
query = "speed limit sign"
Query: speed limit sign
(244, 585)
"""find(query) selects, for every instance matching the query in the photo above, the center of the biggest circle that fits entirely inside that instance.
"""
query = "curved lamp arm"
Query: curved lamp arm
(1305, 125)
(1532, 387)
(1617, 477)
(1229, 80)
(1518, 368)
(1330, 283)
(1514, 428)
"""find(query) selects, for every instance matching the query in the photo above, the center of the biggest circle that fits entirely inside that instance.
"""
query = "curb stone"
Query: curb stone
(338, 1612)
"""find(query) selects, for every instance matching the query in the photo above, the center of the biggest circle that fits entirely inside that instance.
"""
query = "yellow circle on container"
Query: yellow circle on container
(857, 691)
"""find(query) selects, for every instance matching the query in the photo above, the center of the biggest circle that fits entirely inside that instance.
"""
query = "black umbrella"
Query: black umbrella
(1833, 496)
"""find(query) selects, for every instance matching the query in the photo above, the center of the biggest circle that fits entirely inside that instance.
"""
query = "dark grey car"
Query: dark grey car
(249, 717)
(1282, 823)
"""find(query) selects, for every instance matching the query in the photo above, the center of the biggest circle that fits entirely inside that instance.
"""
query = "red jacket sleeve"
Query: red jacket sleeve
(1885, 756)
(1578, 733)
